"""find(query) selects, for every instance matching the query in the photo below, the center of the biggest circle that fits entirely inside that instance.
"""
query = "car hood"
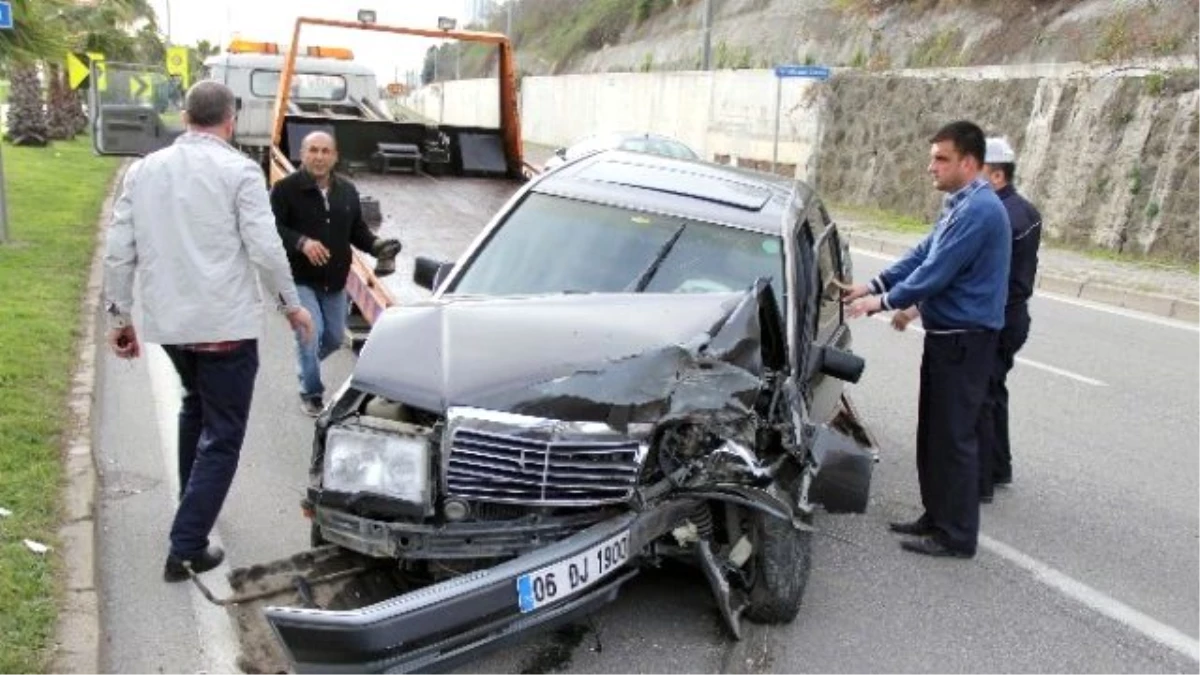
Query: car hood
(597, 357)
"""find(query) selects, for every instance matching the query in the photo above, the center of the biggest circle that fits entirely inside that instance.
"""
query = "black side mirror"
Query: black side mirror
(841, 364)
(561, 152)
(429, 273)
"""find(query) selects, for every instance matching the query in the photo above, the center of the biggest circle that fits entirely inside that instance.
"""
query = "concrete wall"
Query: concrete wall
(1109, 154)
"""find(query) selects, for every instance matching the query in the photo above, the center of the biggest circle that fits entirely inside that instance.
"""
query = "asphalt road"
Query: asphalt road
(1088, 564)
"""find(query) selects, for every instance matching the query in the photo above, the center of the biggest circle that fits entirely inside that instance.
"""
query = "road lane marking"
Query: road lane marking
(214, 630)
(1097, 601)
(1020, 359)
(1109, 309)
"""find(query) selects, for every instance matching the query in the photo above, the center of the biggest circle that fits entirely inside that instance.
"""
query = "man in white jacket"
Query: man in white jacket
(194, 225)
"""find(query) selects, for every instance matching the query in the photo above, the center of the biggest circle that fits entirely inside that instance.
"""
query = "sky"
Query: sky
(274, 20)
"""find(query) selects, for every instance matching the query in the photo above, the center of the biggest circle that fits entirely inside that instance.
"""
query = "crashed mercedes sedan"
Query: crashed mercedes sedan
(639, 357)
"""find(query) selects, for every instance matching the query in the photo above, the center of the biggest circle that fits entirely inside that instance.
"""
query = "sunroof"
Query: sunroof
(685, 183)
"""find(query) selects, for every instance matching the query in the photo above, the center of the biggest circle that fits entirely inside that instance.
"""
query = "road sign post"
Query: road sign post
(782, 72)
(6, 23)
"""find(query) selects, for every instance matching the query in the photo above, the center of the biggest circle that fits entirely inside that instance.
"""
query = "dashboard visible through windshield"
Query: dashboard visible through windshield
(554, 244)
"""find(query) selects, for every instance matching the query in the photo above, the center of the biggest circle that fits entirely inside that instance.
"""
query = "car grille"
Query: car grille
(487, 466)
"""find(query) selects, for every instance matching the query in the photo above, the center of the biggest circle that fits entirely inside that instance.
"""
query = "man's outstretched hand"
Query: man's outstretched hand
(386, 248)
(864, 306)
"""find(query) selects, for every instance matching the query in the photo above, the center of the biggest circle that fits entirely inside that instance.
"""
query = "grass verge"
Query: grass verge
(54, 198)
(883, 219)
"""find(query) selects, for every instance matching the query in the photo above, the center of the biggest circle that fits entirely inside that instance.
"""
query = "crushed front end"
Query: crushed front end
(525, 495)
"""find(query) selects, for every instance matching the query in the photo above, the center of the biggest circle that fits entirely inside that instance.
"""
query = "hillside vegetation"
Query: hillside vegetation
(570, 36)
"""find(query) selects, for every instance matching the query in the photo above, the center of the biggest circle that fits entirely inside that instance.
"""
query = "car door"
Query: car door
(135, 109)
(829, 321)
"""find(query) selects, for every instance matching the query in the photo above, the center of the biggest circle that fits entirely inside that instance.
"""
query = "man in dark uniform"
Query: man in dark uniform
(958, 275)
(995, 466)
(319, 217)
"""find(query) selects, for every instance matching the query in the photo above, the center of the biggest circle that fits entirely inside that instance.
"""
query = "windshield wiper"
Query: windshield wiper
(644, 278)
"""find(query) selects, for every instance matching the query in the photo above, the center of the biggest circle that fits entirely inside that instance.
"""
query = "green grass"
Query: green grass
(884, 219)
(3, 91)
(55, 194)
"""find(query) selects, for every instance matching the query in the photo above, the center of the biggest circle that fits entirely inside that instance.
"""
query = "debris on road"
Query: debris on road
(37, 548)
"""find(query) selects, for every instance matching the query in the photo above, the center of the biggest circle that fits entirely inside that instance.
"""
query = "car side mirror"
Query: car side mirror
(561, 152)
(429, 273)
(839, 363)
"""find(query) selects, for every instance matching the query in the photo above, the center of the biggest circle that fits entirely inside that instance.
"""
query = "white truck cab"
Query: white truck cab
(326, 82)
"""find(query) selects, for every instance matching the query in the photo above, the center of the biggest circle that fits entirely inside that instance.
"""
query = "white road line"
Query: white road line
(1020, 359)
(215, 636)
(1109, 309)
(1110, 607)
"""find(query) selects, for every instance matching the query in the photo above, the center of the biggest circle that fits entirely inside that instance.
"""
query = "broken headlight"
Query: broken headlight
(386, 463)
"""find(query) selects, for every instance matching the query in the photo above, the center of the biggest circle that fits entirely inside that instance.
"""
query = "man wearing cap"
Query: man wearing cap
(995, 455)
(1000, 163)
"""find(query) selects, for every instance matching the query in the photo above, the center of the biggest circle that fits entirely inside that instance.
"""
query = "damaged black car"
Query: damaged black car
(639, 358)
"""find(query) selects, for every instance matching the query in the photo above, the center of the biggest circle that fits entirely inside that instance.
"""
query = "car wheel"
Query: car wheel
(781, 560)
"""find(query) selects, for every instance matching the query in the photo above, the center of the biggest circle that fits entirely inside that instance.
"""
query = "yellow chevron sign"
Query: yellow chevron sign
(79, 70)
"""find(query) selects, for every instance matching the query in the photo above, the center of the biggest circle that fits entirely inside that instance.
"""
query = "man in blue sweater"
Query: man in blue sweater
(958, 276)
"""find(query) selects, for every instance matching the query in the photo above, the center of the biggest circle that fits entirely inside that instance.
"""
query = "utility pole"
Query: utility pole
(708, 15)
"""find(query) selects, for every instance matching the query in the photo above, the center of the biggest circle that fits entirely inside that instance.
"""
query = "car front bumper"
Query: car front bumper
(440, 626)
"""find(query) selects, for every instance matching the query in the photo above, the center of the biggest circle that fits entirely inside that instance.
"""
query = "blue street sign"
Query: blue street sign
(6, 21)
(815, 72)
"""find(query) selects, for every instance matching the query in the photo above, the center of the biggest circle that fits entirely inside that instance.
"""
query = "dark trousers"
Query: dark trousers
(217, 389)
(955, 371)
(995, 463)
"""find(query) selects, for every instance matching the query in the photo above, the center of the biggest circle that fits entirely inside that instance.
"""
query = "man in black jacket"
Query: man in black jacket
(319, 217)
(994, 453)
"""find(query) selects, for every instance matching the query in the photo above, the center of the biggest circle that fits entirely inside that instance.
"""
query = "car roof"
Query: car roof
(680, 187)
(274, 62)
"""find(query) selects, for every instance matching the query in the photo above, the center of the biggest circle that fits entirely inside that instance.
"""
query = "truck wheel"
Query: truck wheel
(781, 560)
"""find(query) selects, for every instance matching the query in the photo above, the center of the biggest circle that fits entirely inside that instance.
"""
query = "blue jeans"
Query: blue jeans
(328, 310)
(217, 390)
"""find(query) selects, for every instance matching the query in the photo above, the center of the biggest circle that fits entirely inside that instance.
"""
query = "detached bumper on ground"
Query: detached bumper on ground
(440, 626)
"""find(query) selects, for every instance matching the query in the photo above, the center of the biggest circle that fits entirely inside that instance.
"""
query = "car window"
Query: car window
(312, 86)
(829, 308)
(553, 244)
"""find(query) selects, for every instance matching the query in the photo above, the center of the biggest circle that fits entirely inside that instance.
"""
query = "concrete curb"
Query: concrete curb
(77, 643)
(1140, 301)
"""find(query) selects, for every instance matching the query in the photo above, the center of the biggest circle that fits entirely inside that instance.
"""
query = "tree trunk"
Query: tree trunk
(79, 119)
(26, 111)
(58, 106)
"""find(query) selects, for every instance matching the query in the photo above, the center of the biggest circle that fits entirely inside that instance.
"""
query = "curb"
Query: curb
(77, 641)
(1149, 303)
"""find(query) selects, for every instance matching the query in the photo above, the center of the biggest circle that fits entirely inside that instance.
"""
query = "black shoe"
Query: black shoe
(930, 546)
(1002, 481)
(176, 569)
(987, 498)
(917, 528)
(311, 406)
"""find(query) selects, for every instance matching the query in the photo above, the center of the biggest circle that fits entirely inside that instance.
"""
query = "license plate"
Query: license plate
(570, 576)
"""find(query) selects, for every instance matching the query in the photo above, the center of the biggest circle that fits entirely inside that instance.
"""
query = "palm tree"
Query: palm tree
(33, 38)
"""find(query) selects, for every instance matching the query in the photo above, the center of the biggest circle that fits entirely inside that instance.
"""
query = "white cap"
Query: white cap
(999, 152)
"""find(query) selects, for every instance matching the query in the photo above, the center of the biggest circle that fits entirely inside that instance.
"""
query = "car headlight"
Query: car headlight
(386, 463)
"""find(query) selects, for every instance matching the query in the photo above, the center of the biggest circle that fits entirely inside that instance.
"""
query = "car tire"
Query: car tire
(781, 559)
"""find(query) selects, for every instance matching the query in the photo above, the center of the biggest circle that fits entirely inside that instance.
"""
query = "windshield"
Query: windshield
(553, 245)
(312, 86)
